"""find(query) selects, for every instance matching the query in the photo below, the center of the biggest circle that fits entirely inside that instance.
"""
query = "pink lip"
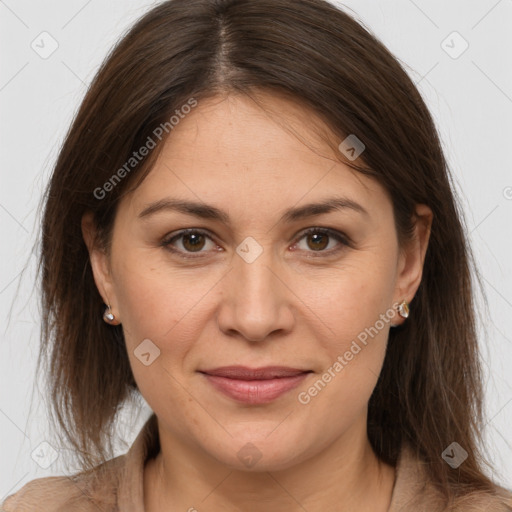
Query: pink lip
(255, 386)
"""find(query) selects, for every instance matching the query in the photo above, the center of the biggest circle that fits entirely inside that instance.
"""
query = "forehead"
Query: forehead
(237, 128)
(229, 149)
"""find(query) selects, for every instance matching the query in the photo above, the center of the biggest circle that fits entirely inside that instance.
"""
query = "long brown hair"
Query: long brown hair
(429, 392)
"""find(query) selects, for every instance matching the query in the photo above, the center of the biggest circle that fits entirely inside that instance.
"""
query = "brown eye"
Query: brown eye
(322, 240)
(189, 241)
(317, 241)
(193, 242)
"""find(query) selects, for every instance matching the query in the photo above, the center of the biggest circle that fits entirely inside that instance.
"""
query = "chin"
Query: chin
(258, 454)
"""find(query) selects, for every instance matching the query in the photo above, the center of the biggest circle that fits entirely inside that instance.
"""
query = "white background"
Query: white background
(471, 100)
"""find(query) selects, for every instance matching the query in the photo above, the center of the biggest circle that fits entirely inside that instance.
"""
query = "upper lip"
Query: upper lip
(263, 373)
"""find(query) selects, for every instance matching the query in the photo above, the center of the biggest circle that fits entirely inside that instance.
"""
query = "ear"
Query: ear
(100, 263)
(412, 258)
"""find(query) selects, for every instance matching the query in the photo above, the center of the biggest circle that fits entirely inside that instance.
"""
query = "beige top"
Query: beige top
(119, 486)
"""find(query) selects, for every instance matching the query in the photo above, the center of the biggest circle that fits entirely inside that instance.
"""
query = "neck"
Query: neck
(346, 473)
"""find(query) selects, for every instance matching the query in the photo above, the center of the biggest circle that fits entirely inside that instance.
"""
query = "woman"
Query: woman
(251, 224)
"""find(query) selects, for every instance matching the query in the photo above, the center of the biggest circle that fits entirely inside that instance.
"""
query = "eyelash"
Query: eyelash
(341, 238)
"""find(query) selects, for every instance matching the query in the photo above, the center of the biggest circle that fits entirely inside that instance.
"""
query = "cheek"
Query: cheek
(356, 304)
(163, 304)
(142, 294)
(353, 297)
(354, 354)
(158, 318)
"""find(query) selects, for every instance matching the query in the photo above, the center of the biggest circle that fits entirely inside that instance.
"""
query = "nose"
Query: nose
(256, 301)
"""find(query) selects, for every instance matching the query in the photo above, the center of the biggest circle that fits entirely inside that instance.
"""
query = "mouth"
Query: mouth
(255, 386)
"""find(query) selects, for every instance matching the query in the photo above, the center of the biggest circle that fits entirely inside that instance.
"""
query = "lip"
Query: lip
(255, 385)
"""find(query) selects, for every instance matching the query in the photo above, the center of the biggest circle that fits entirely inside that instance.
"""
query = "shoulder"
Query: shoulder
(83, 492)
(52, 494)
(414, 490)
(111, 486)
(499, 501)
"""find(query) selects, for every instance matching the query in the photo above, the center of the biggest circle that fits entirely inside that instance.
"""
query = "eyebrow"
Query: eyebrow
(206, 211)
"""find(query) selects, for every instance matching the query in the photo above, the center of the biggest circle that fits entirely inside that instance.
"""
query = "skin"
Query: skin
(301, 303)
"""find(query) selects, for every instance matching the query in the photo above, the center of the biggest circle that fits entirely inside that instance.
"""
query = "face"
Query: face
(219, 267)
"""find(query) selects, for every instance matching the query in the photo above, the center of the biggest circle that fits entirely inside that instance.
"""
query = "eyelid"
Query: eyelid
(339, 236)
(168, 239)
(343, 239)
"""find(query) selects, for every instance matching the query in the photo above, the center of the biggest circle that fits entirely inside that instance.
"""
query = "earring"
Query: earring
(403, 309)
(108, 316)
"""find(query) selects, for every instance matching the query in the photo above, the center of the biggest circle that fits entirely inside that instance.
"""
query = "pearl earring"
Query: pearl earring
(108, 316)
(403, 309)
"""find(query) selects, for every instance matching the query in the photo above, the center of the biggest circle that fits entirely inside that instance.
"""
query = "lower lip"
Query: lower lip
(255, 391)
